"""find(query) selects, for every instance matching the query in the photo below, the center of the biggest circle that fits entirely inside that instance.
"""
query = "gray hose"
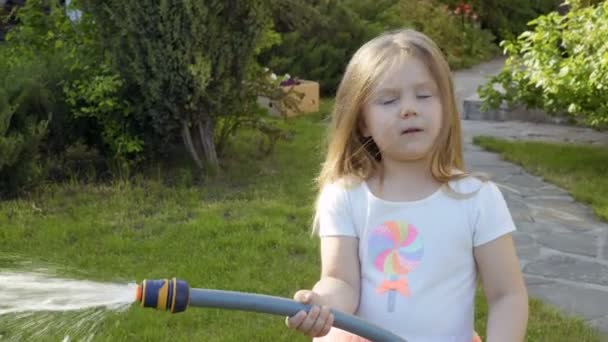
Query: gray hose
(285, 307)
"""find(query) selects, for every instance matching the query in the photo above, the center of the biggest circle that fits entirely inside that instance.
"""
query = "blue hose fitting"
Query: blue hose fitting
(164, 294)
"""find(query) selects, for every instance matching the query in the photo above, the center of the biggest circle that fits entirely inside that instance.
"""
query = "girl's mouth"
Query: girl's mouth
(411, 130)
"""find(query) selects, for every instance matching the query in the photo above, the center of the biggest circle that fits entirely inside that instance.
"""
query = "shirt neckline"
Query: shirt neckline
(421, 201)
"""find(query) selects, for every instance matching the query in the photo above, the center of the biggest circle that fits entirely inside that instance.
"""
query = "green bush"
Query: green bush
(185, 64)
(318, 44)
(460, 37)
(86, 95)
(98, 98)
(506, 19)
(118, 99)
(25, 110)
(561, 66)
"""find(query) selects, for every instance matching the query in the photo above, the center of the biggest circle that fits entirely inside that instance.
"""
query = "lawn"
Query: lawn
(580, 169)
(246, 230)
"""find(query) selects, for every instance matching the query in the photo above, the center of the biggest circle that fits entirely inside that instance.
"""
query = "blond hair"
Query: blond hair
(348, 155)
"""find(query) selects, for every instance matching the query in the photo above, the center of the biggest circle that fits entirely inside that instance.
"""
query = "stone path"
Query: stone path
(562, 245)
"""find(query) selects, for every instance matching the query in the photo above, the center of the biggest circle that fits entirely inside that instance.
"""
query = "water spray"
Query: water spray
(175, 296)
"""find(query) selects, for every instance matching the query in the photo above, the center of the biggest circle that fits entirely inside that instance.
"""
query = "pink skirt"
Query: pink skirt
(338, 335)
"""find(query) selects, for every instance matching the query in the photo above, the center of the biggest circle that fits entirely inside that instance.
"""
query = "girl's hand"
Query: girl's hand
(317, 322)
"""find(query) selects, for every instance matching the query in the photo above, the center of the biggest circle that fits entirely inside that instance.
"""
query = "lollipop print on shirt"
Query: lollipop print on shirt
(395, 249)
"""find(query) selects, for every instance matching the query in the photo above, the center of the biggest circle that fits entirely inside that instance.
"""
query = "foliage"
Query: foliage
(83, 90)
(7, 17)
(560, 66)
(458, 34)
(119, 99)
(506, 19)
(319, 48)
(259, 83)
(318, 45)
(97, 98)
(192, 72)
(25, 111)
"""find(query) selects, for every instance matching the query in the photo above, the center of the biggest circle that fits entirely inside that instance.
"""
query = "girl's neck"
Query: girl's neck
(403, 181)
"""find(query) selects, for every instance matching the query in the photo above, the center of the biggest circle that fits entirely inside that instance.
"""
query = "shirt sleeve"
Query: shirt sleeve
(492, 216)
(334, 212)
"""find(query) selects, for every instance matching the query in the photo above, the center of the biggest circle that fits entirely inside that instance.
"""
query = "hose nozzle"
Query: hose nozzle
(164, 294)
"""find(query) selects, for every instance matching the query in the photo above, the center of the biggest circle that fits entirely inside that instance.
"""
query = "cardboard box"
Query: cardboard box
(309, 103)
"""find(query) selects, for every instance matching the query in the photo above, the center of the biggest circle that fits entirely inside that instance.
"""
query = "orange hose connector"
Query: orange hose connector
(138, 293)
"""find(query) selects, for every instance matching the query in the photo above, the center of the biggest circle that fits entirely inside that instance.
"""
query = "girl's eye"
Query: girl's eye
(387, 101)
(424, 96)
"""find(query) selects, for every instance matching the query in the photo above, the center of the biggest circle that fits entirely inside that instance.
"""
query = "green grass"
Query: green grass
(581, 170)
(246, 230)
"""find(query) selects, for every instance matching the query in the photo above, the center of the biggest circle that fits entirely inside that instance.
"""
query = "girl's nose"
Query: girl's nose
(408, 112)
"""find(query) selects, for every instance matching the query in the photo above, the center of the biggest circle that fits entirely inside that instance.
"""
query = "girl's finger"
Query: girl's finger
(296, 320)
(310, 320)
(321, 321)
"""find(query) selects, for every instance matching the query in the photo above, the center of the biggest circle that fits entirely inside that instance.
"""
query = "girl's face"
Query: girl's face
(404, 112)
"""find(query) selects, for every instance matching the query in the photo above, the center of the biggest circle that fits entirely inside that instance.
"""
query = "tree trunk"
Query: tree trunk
(205, 131)
(199, 141)
(187, 137)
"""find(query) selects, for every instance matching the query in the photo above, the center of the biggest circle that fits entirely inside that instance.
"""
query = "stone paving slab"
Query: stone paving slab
(604, 247)
(581, 244)
(530, 131)
(570, 298)
(567, 267)
(562, 245)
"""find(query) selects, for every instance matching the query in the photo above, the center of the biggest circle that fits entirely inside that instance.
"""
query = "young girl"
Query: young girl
(404, 229)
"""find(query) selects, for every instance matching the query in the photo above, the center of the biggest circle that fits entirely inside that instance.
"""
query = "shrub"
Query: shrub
(192, 73)
(318, 44)
(85, 94)
(560, 66)
(458, 35)
(25, 110)
(506, 19)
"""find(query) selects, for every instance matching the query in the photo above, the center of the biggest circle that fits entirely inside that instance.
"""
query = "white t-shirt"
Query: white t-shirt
(418, 272)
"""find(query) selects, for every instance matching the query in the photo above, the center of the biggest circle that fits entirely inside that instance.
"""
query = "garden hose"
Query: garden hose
(175, 295)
